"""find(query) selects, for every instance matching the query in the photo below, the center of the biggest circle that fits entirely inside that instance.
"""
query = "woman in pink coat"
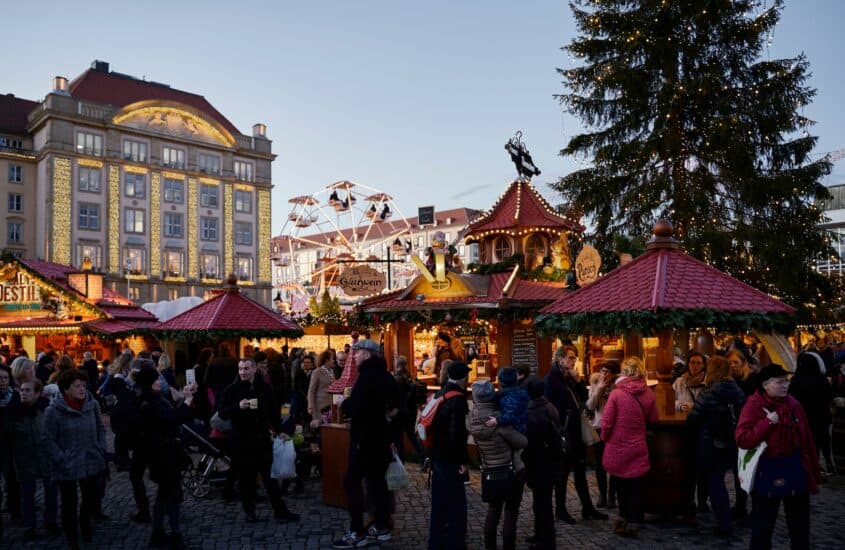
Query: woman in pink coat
(630, 408)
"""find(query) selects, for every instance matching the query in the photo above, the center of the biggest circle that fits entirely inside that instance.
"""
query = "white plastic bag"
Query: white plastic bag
(284, 460)
(396, 475)
(747, 461)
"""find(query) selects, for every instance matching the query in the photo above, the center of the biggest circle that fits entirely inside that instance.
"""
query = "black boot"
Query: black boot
(143, 515)
(158, 539)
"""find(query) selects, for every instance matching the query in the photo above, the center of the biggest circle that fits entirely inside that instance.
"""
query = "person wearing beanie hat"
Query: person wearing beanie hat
(161, 422)
(713, 422)
(512, 401)
(788, 470)
(543, 459)
(601, 383)
(500, 447)
(450, 462)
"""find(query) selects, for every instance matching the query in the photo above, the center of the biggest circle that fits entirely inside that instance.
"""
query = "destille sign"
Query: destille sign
(18, 293)
(361, 280)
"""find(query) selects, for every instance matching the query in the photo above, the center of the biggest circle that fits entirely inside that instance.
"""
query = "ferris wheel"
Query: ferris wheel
(341, 223)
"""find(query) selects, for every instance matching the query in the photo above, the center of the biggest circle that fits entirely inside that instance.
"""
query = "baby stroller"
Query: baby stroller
(208, 465)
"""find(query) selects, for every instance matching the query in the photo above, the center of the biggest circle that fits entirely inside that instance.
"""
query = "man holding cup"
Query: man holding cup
(249, 404)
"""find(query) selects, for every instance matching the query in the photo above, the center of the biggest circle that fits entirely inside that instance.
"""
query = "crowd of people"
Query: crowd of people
(530, 432)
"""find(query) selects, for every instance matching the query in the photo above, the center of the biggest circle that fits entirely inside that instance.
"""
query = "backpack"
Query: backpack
(723, 426)
(428, 414)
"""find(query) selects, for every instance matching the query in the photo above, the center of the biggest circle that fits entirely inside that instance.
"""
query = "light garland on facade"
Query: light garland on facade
(173, 175)
(209, 181)
(228, 229)
(193, 261)
(90, 163)
(114, 220)
(70, 329)
(62, 210)
(135, 169)
(155, 223)
(264, 268)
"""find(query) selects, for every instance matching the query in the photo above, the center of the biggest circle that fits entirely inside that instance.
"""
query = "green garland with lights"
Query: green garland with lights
(649, 322)
(690, 121)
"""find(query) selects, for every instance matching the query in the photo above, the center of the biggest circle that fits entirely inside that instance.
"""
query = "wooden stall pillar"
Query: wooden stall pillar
(663, 392)
(404, 336)
(504, 349)
(633, 344)
(545, 354)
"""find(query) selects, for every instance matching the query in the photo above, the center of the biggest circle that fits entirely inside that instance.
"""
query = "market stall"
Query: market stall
(46, 306)
(642, 304)
(230, 317)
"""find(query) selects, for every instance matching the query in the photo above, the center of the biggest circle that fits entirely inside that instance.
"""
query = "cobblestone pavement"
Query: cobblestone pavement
(210, 523)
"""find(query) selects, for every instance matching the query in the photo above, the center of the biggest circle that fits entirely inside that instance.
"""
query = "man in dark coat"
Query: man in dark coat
(450, 461)
(89, 367)
(249, 404)
(374, 399)
(222, 371)
(566, 391)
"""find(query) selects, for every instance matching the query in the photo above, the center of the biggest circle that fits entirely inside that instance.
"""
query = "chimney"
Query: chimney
(259, 130)
(102, 66)
(60, 85)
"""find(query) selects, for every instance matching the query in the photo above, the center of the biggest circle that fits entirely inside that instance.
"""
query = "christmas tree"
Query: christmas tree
(688, 119)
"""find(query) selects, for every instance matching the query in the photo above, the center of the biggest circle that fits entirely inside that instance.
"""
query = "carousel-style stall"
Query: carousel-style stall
(524, 259)
(647, 303)
(227, 317)
(46, 306)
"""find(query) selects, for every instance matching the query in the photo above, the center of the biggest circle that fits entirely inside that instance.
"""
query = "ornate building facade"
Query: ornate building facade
(153, 184)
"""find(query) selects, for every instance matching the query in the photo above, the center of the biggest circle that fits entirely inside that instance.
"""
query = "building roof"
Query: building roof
(492, 291)
(113, 305)
(102, 86)
(520, 206)
(114, 327)
(13, 113)
(667, 279)
(232, 312)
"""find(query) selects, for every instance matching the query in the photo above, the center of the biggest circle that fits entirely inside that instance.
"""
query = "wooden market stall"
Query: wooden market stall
(46, 306)
(230, 317)
(524, 259)
(656, 294)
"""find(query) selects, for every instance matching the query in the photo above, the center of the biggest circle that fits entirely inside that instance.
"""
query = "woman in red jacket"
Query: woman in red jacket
(629, 410)
(788, 469)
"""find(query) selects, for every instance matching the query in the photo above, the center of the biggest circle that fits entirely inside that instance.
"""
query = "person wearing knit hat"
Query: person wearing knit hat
(159, 443)
(512, 401)
(449, 463)
(499, 448)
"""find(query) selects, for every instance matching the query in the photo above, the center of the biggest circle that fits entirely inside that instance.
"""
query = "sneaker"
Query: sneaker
(381, 535)
(351, 540)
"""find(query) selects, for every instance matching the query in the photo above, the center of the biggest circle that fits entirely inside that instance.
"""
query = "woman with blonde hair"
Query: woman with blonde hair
(64, 363)
(629, 410)
(23, 370)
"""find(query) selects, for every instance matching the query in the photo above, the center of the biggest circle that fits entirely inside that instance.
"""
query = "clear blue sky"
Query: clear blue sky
(413, 98)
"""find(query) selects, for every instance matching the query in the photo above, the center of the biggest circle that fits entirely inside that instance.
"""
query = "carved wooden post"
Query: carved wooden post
(664, 393)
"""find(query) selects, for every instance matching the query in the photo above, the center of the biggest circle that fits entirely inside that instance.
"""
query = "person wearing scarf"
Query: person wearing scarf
(600, 385)
(687, 389)
(789, 468)
(76, 442)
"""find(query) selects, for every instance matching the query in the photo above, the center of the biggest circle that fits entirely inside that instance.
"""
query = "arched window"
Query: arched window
(535, 246)
(501, 248)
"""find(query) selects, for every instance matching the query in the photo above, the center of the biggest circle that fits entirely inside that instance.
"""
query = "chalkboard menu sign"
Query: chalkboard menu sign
(524, 347)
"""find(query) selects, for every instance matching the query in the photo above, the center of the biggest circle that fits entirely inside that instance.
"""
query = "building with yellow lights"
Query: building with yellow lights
(153, 184)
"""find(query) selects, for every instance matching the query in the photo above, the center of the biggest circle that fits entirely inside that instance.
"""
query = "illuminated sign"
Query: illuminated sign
(18, 292)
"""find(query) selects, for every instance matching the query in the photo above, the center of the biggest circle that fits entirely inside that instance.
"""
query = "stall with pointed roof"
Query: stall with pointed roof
(492, 306)
(660, 291)
(228, 314)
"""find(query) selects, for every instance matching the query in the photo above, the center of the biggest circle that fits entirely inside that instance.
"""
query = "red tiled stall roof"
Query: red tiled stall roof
(667, 279)
(120, 90)
(534, 293)
(230, 311)
(116, 327)
(126, 312)
(13, 113)
(520, 206)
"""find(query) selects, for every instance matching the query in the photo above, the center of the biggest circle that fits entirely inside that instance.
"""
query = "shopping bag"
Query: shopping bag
(284, 459)
(747, 462)
(589, 435)
(396, 475)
